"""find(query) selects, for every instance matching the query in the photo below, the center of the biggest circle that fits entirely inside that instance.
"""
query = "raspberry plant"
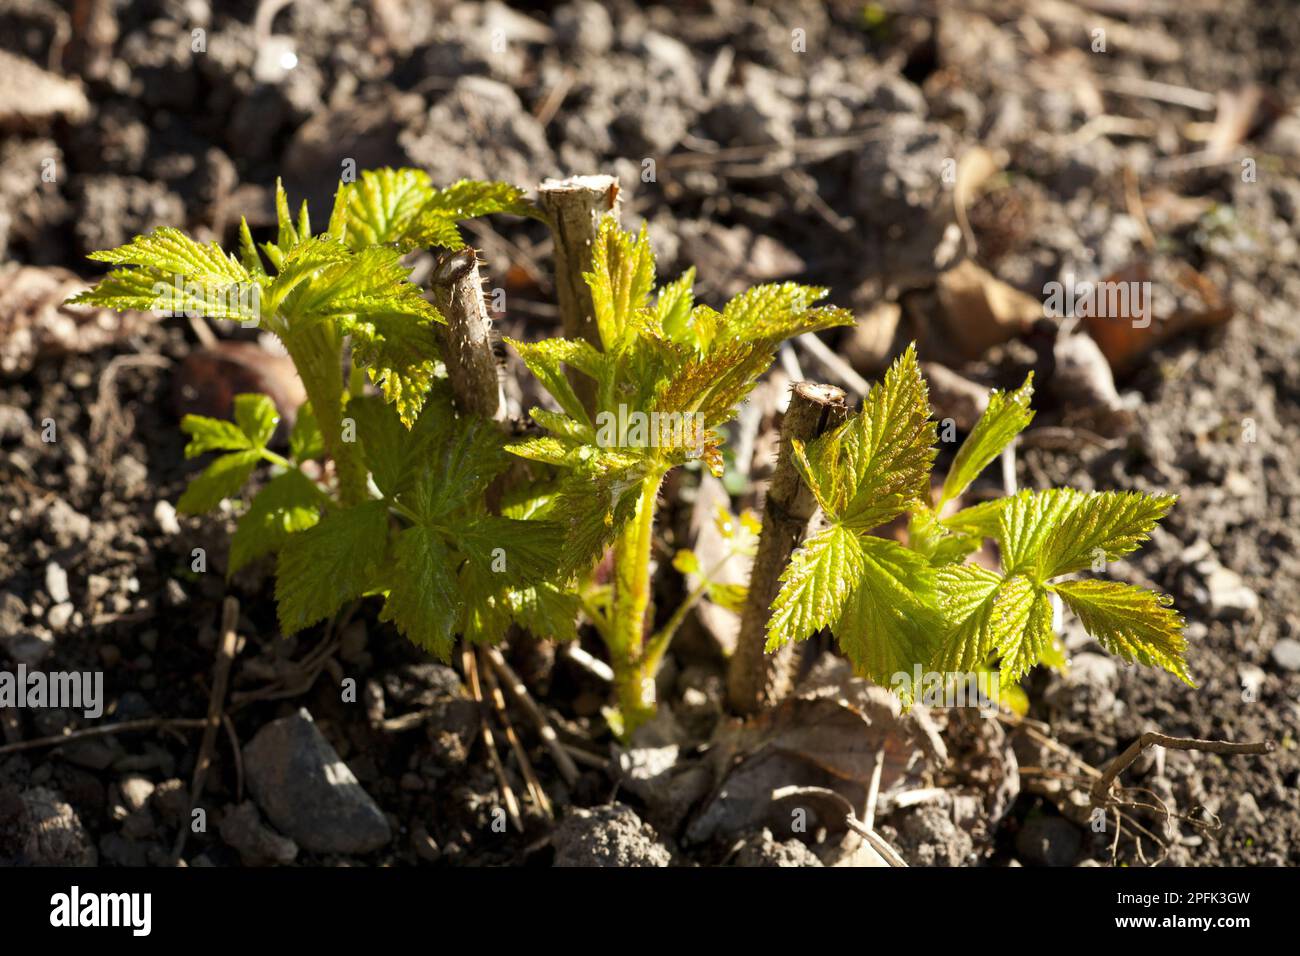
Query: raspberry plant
(395, 492)
(891, 607)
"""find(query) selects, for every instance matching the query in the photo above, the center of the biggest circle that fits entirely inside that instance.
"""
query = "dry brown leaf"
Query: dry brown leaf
(979, 311)
(976, 167)
(35, 323)
(1170, 298)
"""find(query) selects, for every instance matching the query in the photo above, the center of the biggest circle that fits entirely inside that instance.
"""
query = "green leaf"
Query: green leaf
(518, 552)
(986, 614)
(546, 611)
(380, 207)
(221, 479)
(673, 310)
(967, 593)
(387, 447)
(1109, 523)
(305, 441)
(1026, 522)
(889, 620)
(212, 434)
(929, 536)
(176, 254)
(289, 503)
(546, 360)
(423, 600)
(1022, 642)
(1130, 622)
(622, 274)
(457, 464)
(1007, 415)
(769, 314)
(257, 417)
(815, 586)
(983, 520)
(326, 566)
(401, 207)
(871, 468)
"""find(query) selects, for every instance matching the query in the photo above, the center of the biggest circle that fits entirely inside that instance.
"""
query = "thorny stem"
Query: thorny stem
(755, 679)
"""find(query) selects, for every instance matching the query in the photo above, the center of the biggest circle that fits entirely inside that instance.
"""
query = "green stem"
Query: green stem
(317, 353)
(630, 608)
(657, 646)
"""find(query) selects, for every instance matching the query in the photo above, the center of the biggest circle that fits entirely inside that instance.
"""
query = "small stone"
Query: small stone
(1229, 597)
(41, 829)
(97, 586)
(308, 792)
(63, 525)
(136, 791)
(584, 25)
(165, 514)
(29, 647)
(12, 611)
(1047, 840)
(171, 799)
(762, 849)
(56, 583)
(59, 616)
(426, 848)
(612, 835)
(1242, 810)
(1286, 654)
(244, 832)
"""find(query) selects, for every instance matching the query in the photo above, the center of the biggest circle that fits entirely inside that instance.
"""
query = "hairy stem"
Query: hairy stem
(756, 679)
(317, 353)
(630, 610)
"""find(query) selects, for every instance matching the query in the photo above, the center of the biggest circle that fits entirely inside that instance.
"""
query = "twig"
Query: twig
(592, 665)
(873, 792)
(586, 757)
(1161, 92)
(470, 664)
(753, 678)
(1101, 788)
(878, 843)
(575, 208)
(563, 762)
(237, 752)
(144, 723)
(220, 680)
(1137, 209)
(833, 365)
(535, 789)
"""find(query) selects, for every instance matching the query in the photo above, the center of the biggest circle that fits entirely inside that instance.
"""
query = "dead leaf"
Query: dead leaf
(209, 379)
(829, 737)
(36, 324)
(976, 167)
(979, 311)
(869, 345)
(1166, 298)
